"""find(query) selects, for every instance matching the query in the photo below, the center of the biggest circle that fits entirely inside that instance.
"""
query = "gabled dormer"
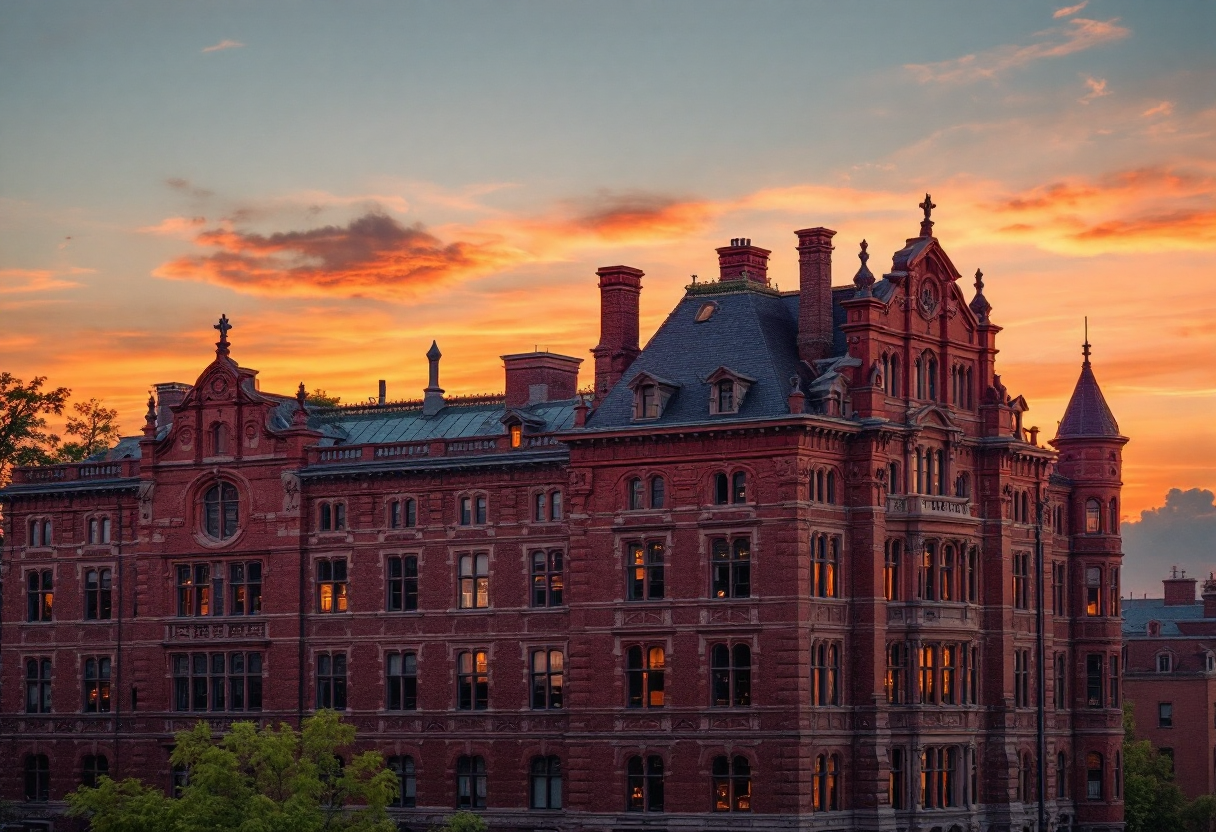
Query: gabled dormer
(727, 390)
(650, 395)
(519, 422)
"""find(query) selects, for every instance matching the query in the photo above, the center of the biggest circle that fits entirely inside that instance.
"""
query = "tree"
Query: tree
(24, 439)
(462, 822)
(254, 780)
(319, 398)
(96, 428)
(1152, 801)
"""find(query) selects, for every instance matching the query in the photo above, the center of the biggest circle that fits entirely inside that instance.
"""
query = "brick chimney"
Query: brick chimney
(814, 293)
(620, 292)
(169, 395)
(741, 258)
(534, 377)
(1179, 591)
(1209, 597)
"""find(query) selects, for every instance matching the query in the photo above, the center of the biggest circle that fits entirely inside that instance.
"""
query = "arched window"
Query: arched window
(546, 792)
(825, 791)
(920, 471)
(825, 562)
(893, 383)
(962, 485)
(1093, 516)
(555, 505)
(894, 479)
(658, 492)
(931, 377)
(721, 489)
(831, 492)
(919, 369)
(731, 569)
(891, 570)
(326, 521)
(1094, 771)
(939, 473)
(220, 511)
(219, 440)
(1025, 782)
(738, 490)
(645, 784)
(37, 778)
(1114, 517)
(470, 782)
(635, 494)
(731, 676)
(539, 507)
(819, 485)
(732, 784)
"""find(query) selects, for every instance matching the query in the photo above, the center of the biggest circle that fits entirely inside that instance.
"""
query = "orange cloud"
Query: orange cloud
(1080, 34)
(21, 281)
(222, 45)
(174, 226)
(1165, 108)
(1097, 89)
(1070, 10)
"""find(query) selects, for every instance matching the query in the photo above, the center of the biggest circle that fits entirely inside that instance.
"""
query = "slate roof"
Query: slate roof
(1087, 413)
(753, 332)
(452, 422)
(1138, 612)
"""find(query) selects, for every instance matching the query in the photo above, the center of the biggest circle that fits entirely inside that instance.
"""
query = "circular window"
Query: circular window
(221, 511)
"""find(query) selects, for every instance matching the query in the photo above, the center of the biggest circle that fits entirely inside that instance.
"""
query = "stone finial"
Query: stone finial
(300, 417)
(432, 396)
(796, 399)
(580, 412)
(150, 417)
(979, 304)
(926, 225)
(221, 346)
(864, 279)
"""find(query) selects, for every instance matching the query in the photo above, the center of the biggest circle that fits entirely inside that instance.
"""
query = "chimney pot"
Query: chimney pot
(1179, 592)
(742, 260)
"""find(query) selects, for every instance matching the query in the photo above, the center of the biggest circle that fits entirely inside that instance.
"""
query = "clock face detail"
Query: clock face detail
(928, 298)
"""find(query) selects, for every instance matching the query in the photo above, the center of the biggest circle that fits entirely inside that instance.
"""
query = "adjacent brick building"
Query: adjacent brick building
(1170, 677)
(779, 569)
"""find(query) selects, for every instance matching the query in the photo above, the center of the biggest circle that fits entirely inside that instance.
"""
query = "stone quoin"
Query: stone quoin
(799, 562)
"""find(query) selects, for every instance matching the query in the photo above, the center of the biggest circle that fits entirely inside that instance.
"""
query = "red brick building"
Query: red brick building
(796, 564)
(1170, 677)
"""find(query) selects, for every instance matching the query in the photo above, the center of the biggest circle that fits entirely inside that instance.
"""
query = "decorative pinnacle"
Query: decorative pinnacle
(300, 417)
(151, 407)
(926, 225)
(221, 346)
(979, 304)
(864, 279)
(1085, 346)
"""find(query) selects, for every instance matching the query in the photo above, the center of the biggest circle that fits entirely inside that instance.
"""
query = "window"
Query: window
(466, 511)
(99, 530)
(1165, 662)
(658, 492)
(825, 673)
(725, 392)
(732, 568)
(1113, 604)
(1021, 678)
(1061, 682)
(891, 374)
(896, 682)
(1165, 714)
(1093, 680)
(825, 565)
(738, 487)
(730, 676)
(97, 685)
(1093, 590)
(407, 782)
(644, 784)
(926, 584)
(401, 673)
(194, 590)
(548, 679)
(95, 766)
(1025, 779)
(635, 494)
(721, 489)
(472, 680)
(219, 439)
(179, 778)
(1114, 681)
(402, 584)
(1114, 516)
(547, 582)
(949, 684)
(40, 595)
(928, 673)
(1021, 580)
(331, 681)
(945, 574)
(897, 780)
(479, 510)
(1093, 517)
(555, 505)
(37, 686)
(825, 783)
(331, 586)
(402, 514)
(540, 511)
(648, 395)
(1061, 775)
(221, 511)
(474, 581)
(546, 783)
(470, 782)
(895, 481)
(890, 570)
(331, 517)
(516, 434)
(40, 532)
(1093, 775)
(217, 682)
(939, 777)
(1118, 775)
(245, 585)
(645, 576)
(97, 594)
(732, 784)
(37, 778)
(1059, 589)
(644, 668)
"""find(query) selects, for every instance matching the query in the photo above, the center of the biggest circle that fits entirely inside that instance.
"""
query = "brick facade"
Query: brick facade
(796, 588)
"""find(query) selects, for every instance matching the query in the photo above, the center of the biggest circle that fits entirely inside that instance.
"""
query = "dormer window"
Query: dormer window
(517, 434)
(650, 396)
(727, 389)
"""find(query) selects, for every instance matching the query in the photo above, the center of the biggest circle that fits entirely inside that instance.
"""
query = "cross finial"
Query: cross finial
(926, 225)
(223, 326)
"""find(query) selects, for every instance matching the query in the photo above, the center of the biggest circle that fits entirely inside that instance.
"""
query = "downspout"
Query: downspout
(303, 577)
(1040, 715)
(117, 699)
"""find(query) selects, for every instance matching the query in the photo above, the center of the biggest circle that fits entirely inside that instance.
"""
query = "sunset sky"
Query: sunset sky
(348, 181)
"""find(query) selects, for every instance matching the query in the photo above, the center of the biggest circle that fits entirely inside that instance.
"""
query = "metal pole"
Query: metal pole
(1040, 715)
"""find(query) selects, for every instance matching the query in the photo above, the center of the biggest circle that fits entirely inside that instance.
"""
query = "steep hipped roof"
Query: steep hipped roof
(1087, 413)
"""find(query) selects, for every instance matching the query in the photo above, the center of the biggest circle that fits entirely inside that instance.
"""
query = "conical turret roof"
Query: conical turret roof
(1087, 413)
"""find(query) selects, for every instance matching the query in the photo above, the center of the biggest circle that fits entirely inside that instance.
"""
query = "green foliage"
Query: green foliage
(1152, 801)
(319, 398)
(24, 439)
(254, 780)
(462, 822)
(95, 427)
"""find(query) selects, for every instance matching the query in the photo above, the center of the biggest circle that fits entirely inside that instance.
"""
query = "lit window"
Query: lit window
(472, 680)
(40, 595)
(547, 583)
(731, 568)
(825, 788)
(97, 686)
(474, 581)
(644, 671)
(645, 784)
(331, 586)
(1093, 775)
(644, 578)
(706, 312)
(517, 433)
(1093, 517)
(1093, 591)
(732, 784)
(548, 678)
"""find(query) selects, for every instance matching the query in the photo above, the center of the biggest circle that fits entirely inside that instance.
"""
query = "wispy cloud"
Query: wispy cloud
(174, 226)
(222, 45)
(1078, 35)
(1070, 10)
(1165, 108)
(23, 281)
(1097, 89)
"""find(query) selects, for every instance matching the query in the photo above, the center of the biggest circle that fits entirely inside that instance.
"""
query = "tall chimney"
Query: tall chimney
(432, 396)
(814, 293)
(742, 260)
(168, 396)
(1209, 597)
(620, 292)
(1179, 591)
(383, 394)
